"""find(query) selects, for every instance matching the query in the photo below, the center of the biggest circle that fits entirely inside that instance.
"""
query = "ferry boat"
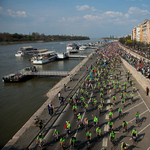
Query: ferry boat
(29, 50)
(62, 55)
(42, 58)
(72, 48)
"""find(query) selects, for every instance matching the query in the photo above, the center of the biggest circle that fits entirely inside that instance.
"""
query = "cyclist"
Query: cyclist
(95, 121)
(70, 101)
(62, 142)
(85, 122)
(86, 93)
(124, 125)
(121, 95)
(82, 100)
(89, 136)
(68, 128)
(91, 100)
(133, 87)
(134, 135)
(114, 99)
(110, 115)
(95, 102)
(110, 125)
(101, 95)
(39, 139)
(123, 145)
(74, 109)
(123, 101)
(55, 134)
(137, 116)
(72, 141)
(82, 90)
(119, 111)
(130, 82)
(86, 105)
(100, 108)
(132, 96)
(111, 107)
(79, 118)
(98, 131)
(112, 136)
(102, 101)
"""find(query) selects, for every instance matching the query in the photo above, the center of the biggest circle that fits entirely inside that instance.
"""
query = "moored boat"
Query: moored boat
(42, 58)
(62, 55)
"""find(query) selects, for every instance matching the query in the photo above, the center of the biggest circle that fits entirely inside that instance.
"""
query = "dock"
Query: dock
(30, 72)
(77, 56)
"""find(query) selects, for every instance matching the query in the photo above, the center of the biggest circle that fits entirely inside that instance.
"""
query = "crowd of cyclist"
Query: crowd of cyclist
(104, 76)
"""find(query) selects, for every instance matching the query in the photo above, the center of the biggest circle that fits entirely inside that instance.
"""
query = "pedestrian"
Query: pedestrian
(40, 124)
(64, 87)
(59, 95)
(62, 101)
(147, 91)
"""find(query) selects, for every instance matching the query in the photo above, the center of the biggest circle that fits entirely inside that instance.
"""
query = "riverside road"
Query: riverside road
(140, 104)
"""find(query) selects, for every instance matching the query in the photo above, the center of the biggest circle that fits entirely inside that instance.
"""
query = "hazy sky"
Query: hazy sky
(93, 18)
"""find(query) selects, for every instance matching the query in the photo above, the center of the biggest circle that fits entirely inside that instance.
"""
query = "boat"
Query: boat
(62, 55)
(29, 50)
(72, 48)
(38, 52)
(82, 48)
(42, 58)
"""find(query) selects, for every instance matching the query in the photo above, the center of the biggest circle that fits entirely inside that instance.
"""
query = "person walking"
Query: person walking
(59, 95)
(147, 91)
(64, 87)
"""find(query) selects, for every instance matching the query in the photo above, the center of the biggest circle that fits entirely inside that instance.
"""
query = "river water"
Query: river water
(19, 101)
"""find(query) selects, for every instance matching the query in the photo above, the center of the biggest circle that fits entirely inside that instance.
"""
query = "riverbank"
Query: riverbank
(24, 136)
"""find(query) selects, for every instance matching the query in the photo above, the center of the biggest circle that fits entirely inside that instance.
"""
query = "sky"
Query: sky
(92, 18)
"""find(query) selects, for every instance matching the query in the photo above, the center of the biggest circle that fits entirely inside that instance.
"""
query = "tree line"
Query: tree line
(7, 37)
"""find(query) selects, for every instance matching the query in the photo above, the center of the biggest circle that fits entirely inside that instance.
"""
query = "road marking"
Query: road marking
(83, 116)
(107, 108)
(137, 96)
(105, 127)
(104, 144)
(143, 101)
(108, 101)
(141, 131)
(140, 115)
(133, 107)
(107, 116)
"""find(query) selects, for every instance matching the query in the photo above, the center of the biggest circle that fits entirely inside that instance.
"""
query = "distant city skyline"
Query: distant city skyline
(73, 17)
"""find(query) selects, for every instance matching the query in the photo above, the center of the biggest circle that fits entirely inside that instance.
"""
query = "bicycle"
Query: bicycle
(39, 147)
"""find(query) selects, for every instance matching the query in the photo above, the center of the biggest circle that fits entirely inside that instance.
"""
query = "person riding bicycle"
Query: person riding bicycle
(132, 95)
(39, 139)
(89, 136)
(137, 116)
(98, 131)
(74, 108)
(102, 101)
(111, 107)
(82, 99)
(79, 118)
(95, 102)
(95, 121)
(124, 125)
(120, 111)
(70, 101)
(72, 141)
(121, 95)
(85, 122)
(110, 115)
(123, 101)
(86, 105)
(124, 145)
(55, 134)
(112, 135)
(100, 107)
(110, 125)
(114, 99)
(68, 127)
(134, 135)
(62, 142)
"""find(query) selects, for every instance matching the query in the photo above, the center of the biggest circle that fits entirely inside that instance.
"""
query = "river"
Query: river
(18, 101)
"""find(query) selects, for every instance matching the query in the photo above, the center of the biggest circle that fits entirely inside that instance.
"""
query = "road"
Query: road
(140, 104)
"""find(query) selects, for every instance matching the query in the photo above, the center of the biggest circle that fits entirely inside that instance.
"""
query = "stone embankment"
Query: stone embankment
(143, 81)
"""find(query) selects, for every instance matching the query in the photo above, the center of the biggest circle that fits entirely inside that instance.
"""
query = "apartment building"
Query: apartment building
(141, 32)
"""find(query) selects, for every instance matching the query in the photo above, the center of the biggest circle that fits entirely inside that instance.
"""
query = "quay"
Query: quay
(25, 138)
(77, 56)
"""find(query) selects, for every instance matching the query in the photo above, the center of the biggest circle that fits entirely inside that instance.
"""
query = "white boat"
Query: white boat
(45, 57)
(82, 48)
(29, 50)
(19, 54)
(72, 48)
(62, 55)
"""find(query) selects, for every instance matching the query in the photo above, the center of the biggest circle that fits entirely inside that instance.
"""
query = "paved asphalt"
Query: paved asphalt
(141, 104)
